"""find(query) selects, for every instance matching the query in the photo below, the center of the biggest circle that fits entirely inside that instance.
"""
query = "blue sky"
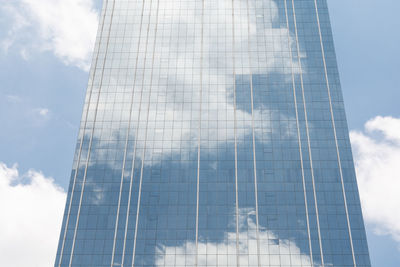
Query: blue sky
(42, 87)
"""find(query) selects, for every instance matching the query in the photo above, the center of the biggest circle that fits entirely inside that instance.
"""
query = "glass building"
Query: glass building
(213, 134)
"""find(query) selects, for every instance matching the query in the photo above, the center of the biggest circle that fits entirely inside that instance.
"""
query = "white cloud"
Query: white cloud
(43, 111)
(377, 159)
(66, 28)
(39, 117)
(31, 207)
(24, 54)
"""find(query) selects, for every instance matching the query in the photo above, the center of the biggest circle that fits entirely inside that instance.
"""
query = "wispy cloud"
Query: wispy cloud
(31, 207)
(66, 28)
(39, 117)
(377, 159)
(14, 99)
(43, 111)
(24, 53)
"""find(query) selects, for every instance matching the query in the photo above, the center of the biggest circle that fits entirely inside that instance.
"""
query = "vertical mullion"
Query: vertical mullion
(234, 133)
(142, 159)
(199, 134)
(253, 131)
(122, 177)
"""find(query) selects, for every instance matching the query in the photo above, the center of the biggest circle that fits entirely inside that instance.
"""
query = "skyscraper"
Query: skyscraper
(213, 134)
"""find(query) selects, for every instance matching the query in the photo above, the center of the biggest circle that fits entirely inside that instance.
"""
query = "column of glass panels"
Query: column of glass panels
(167, 208)
(73, 239)
(336, 245)
(299, 69)
(95, 232)
(217, 194)
(247, 234)
(130, 43)
(347, 165)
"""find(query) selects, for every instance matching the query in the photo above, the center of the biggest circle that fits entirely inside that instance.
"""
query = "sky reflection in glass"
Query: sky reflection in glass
(213, 134)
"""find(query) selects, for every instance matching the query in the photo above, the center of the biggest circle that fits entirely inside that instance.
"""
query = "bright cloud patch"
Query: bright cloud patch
(377, 158)
(31, 208)
(43, 111)
(66, 28)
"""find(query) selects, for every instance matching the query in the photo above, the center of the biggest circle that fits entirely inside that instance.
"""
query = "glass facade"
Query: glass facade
(213, 134)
